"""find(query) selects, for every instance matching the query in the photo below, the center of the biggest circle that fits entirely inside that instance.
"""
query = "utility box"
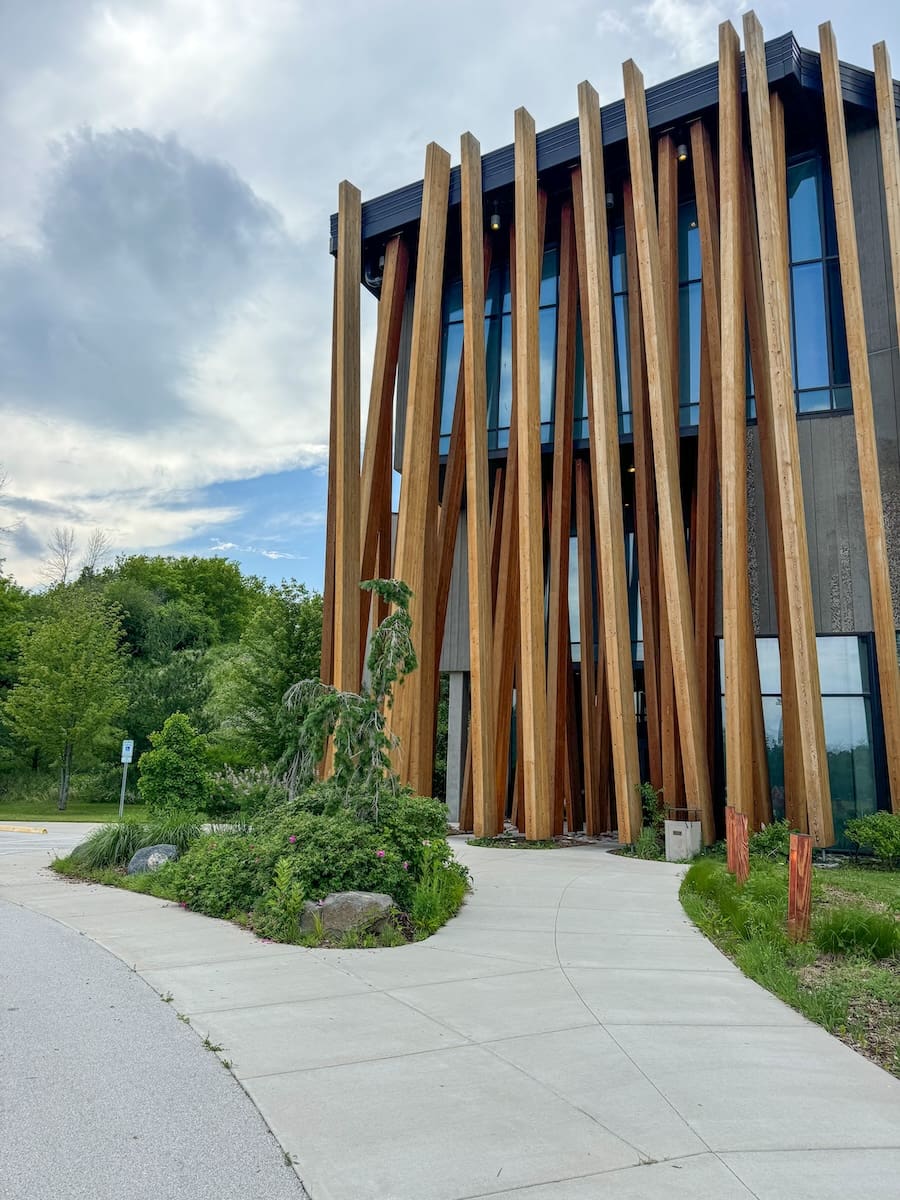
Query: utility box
(684, 837)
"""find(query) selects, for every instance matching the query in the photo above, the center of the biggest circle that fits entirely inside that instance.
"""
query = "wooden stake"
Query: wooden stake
(665, 449)
(773, 243)
(799, 886)
(863, 409)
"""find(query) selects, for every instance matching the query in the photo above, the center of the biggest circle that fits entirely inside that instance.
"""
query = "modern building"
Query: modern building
(639, 376)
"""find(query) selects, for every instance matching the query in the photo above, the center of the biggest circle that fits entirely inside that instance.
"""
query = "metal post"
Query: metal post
(122, 796)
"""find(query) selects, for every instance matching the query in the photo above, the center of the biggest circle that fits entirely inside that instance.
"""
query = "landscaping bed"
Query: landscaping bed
(845, 977)
(262, 873)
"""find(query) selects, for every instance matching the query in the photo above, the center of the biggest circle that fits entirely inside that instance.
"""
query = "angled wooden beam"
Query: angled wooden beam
(667, 217)
(589, 729)
(416, 535)
(890, 161)
(736, 615)
(481, 728)
(533, 679)
(646, 534)
(665, 450)
(347, 652)
(795, 802)
(705, 536)
(506, 609)
(451, 496)
(326, 662)
(773, 250)
(375, 481)
(561, 512)
(863, 409)
(606, 470)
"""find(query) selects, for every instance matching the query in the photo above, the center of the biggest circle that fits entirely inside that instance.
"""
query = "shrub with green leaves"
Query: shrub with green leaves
(773, 842)
(850, 930)
(223, 875)
(878, 832)
(174, 775)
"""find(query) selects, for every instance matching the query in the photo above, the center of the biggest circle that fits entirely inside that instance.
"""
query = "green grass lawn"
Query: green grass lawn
(846, 977)
(33, 812)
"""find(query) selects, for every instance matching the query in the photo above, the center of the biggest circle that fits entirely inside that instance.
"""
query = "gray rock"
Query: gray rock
(342, 911)
(151, 858)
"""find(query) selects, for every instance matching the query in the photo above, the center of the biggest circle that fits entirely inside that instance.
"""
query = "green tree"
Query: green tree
(71, 690)
(174, 774)
(281, 644)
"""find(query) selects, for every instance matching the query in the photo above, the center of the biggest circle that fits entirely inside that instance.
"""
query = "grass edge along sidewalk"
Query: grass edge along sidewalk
(845, 977)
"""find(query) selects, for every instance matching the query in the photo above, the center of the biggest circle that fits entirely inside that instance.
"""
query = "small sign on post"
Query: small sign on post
(127, 756)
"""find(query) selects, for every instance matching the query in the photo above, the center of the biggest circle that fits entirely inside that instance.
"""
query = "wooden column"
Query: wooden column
(665, 450)
(863, 410)
(890, 163)
(532, 693)
(606, 470)
(346, 509)
(326, 661)
(451, 496)
(646, 533)
(589, 730)
(773, 249)
(375, 483)
(795, 803)
(561, 512)
(737, 620)
(416, 534)
(703, 556)
(481, 728)
(667, 215)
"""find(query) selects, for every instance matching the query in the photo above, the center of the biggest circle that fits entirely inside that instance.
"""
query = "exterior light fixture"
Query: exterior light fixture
(610, 200)
(632, 469)
(495, 219)
(682, 152)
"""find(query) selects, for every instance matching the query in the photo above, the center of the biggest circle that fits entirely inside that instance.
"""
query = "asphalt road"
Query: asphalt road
(104, 1093)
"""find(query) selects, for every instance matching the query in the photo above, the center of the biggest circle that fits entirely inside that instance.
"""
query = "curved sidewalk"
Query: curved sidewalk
(569, 1035)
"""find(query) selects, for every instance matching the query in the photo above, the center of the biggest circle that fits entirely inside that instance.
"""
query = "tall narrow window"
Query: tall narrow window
(689, 316)
(821, 366)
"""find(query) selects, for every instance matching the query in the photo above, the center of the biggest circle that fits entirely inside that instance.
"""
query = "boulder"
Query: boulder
(151, 858)
(343, 911)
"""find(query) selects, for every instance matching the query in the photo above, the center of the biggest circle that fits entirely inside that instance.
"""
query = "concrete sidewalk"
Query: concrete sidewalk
(569, 1035)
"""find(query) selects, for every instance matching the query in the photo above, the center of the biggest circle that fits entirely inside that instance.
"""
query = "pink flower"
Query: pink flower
(405, 866)
(379, 854)
(292, 839)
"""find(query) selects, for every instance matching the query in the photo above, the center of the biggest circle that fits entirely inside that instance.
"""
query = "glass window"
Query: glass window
(689, 316)
(821, 366)
(847, 714)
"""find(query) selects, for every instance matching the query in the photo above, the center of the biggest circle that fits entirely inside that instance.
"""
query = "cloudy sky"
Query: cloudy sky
(168, 171)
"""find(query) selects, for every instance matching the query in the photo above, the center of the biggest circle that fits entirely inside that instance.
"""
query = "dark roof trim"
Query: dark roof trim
(668, 103)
